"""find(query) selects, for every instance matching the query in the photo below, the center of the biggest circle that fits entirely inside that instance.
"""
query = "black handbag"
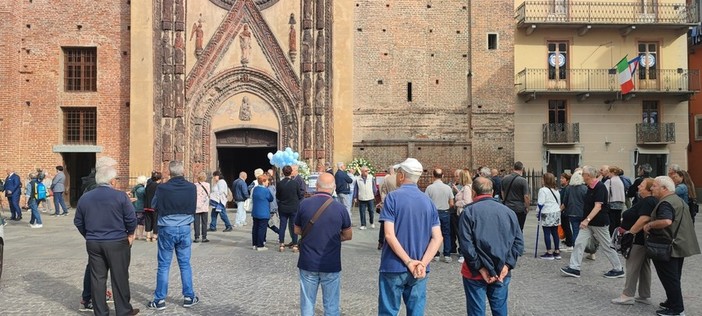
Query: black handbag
(658, 248)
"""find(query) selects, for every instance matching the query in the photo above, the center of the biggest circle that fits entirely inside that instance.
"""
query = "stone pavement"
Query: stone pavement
(44, 269)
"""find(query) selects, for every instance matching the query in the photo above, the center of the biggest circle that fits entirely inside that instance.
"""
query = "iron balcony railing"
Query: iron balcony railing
(605, 80)
(655, 133)
(634, 12)
(561, 133)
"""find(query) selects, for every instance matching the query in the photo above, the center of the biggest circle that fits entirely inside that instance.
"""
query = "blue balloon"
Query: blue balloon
(296, 155)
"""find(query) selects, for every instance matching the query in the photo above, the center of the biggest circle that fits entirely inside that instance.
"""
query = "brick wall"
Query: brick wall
(31, 69)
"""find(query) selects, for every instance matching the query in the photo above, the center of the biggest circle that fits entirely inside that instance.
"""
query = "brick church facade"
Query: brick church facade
(220, 83)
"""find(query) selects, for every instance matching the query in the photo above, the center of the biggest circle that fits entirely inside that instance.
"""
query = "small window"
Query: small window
(492, 41)
(80, 68)
(409, 92)
(698, 127)
(79, 126)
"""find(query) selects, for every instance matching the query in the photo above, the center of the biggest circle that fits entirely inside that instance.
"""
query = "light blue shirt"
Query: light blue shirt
(175, 220)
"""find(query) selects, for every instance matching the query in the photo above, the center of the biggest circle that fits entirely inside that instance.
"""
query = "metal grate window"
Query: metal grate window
(80, 126)
(80, 68)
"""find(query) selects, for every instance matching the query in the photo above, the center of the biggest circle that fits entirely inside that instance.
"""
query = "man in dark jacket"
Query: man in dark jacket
(106, 218)
(490, 252)
(343, 188)
(13, 191)
(643, 172)
(175, 202)
(289, 196)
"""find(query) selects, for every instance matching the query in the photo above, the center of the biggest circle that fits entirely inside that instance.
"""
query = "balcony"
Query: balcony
(655, 133)
(561, 133)
(580, 81)
(531, 14)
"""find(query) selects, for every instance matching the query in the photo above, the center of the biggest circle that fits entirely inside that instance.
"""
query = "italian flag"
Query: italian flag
(625, 70)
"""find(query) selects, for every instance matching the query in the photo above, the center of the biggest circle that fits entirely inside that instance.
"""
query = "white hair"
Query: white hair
(141, 180)
(666, 182)
(485, 172)
(675, 167)
(105, 174)
(105, 162)
(339, 164)
(258, 172)
(591, 171)
(577, 178)
(176, 169)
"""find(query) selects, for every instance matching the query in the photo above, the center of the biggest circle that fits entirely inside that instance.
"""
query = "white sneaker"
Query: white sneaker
(567, 249)
(437, 258)
(362, 228)
(591, 256)
(373, 226)
(461, 259)
(447, 259)
(36, 225)
(261, 248)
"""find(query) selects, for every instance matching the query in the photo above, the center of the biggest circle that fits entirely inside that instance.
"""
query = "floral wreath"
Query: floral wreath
(356, 164)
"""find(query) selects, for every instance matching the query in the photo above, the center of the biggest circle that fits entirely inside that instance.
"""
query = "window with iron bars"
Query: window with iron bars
(80, 68)
(80, 126)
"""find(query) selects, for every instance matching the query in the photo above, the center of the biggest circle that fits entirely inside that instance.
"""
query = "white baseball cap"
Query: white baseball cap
(411, 166)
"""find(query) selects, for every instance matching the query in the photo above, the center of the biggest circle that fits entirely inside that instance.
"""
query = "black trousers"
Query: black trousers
(454, 230)
(615, 219)
(151, 222)
(670, 272)
(113, 256)
(201, 223)
(565, 224)
(521, 217)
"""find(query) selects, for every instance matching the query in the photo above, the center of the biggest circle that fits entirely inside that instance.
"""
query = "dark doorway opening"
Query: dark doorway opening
(77, 166)
(560, 163)
(233, 160)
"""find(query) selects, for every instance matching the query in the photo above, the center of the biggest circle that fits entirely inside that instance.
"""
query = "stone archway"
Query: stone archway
(204, 101)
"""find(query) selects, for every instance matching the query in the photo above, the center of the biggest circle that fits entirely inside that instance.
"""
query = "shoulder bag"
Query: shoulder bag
(308, 226)
(659, 249)
(509, 187)
(248, 204)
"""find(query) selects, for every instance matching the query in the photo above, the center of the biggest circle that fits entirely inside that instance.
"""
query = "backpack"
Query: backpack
(626, 181)
(38, 190)
(694, 208)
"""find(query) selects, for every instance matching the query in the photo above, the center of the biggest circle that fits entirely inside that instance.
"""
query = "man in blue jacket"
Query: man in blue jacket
(343, 188)
(241, 194)
(13, 191)
(106, 218)
(175, 201)
(491, 241)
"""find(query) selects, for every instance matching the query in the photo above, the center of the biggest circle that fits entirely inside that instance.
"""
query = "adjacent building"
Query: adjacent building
(570, 109)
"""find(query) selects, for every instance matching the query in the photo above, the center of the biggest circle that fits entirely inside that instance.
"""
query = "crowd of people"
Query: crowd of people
(479, 217)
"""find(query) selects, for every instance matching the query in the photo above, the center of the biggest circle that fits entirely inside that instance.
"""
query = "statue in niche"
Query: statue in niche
(319, 49)
(166, 45)
(179, 135)
(306, 47)
(320, 14)
(167, 15)
(319, 133)
(179, 92)
(198, 33)
(319, 96)
(306, 90)
(167, 94)
(167, 140)
(292, 129)
(307, 11)
(245, 110)
(245, 43)
(307, 130)
(197, 143)
(179, 48)
(292, 38)
(179, 16)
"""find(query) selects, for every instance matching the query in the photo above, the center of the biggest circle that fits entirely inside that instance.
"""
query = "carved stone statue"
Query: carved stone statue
(167, 51)
(319, 133)
(179, 94)
(306, 90)
(307, 14)
(167, 15)
(306, 47)
(319, 14)
(167, 94)
(245, 43)
(245, 110)
(198, 33)
(179, 135)
(292, 38)
(179, 48)
(167, 140)
(319, 96)
(197, 143)
(307, 133)
(179, 16)
(319, 52)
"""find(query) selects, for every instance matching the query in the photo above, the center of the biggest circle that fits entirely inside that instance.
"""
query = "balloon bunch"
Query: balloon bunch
(284, 158)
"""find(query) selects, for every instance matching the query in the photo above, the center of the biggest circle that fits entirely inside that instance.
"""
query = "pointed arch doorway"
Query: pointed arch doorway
(244, 149)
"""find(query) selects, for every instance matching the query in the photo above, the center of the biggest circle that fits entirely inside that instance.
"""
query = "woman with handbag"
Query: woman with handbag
(617, 195)
(549, 203)
(203, 204)
(261, 198)
(638, 266)
(671, 238)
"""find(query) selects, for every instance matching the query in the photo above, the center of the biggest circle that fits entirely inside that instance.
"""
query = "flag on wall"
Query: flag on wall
(626, 70)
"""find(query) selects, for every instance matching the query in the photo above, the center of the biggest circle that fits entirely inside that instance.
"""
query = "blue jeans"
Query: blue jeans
(310, 282)
(476, 291)
(218, 208)
(258, 231)
(364, 206)
(172, 238)
(445, 220)
(575, 226)
(287, 221)
(346, 200)
(36, 217)
(393, 287)
(58, 200)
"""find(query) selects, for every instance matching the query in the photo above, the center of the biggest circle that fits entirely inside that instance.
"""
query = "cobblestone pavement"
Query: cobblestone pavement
(44, 269)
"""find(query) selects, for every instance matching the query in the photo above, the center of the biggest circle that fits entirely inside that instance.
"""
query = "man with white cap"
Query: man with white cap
(412, 237)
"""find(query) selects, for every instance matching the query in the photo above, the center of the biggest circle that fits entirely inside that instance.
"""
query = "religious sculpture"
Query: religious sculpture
(245, 43)
(179, 49)
(167, 141)
(292, 38)
(167, 96)
(245, 110)
(198, 33)
(179, 94)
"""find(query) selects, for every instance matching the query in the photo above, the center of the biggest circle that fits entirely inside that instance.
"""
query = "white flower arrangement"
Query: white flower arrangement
(356, 164)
